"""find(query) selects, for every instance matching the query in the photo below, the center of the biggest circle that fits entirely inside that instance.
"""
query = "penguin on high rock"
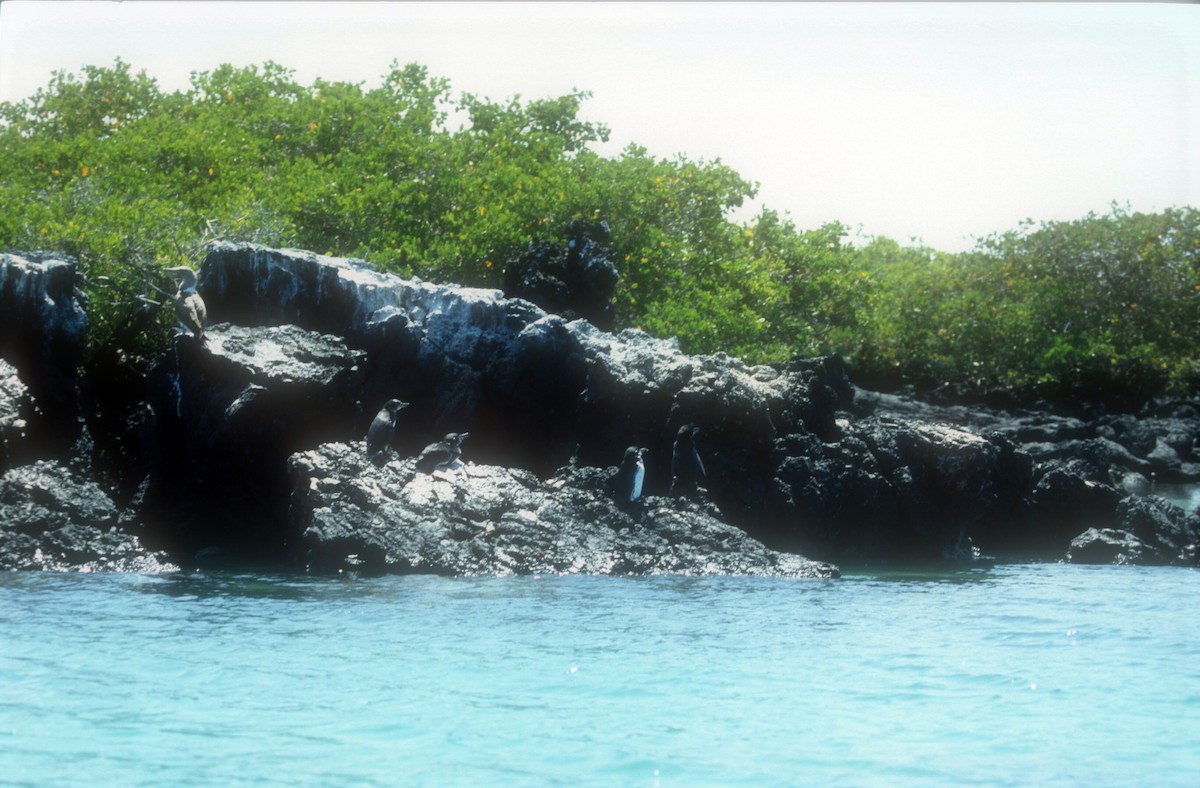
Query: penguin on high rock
(383, 430)
(442, 454)
(630, 476)
(189, 306)
(687, 469)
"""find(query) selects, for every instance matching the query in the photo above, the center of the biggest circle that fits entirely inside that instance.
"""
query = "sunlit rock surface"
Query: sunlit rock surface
(52, 520)
(346, 513)
(15, 406)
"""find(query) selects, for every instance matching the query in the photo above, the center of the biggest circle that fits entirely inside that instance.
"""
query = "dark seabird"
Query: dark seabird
(189, 306)
(630, 476)
(686, 467)
(383, 430)
(443, 454)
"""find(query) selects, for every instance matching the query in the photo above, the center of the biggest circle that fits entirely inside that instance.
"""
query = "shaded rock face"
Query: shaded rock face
(42, 332)
(898, 488)
(575, 281)
(346, 513)
(1150, 531)
(1082, 471)
(227, 414)
(52, 520)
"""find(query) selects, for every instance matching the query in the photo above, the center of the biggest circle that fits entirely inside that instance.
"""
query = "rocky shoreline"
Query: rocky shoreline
(248, 448)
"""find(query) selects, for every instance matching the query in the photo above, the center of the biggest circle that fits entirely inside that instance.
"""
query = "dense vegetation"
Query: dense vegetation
(104, 166)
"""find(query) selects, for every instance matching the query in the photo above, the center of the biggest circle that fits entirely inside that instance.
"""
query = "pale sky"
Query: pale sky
(936, 121)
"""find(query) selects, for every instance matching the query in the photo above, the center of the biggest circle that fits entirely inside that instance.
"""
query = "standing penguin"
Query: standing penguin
(443, 453)
(189, 306)
(383, 430)
(686, 467)
(630, 476)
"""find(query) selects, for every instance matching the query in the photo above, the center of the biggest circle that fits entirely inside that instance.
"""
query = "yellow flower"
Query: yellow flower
(84, 172)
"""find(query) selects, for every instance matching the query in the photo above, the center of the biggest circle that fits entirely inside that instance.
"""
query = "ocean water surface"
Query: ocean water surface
(1017, 675)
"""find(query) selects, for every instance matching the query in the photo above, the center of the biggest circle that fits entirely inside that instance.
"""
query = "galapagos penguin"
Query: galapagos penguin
(443, 453)
(686, 467)
(630, 476)
(383, 430)
(189, 306)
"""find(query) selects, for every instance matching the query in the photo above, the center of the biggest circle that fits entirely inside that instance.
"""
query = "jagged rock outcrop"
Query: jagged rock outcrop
(1161, 445)
(15, 406)
(577, 280)
(233, 451)
(52, 520)
(42, 332)
(1150, 531)
(537, 391)
(347, 513)
(1082, 469)
(533, 389)
(790, 456)
(227, 414)
(898, 488)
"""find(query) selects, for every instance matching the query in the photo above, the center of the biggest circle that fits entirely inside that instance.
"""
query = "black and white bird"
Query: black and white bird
(687, 469)
(442, 454)
(383, 430)
(630, 476)
(189, 306)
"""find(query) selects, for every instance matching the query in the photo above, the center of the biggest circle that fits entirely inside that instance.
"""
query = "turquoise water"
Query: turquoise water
(1018, 675)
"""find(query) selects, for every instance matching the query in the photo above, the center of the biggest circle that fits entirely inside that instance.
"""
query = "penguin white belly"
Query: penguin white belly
(638, 475)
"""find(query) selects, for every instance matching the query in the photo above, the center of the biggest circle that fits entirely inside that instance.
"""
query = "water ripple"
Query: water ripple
(1019, 675)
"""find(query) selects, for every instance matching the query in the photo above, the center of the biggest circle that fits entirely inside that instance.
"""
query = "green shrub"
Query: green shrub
(106, 167)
